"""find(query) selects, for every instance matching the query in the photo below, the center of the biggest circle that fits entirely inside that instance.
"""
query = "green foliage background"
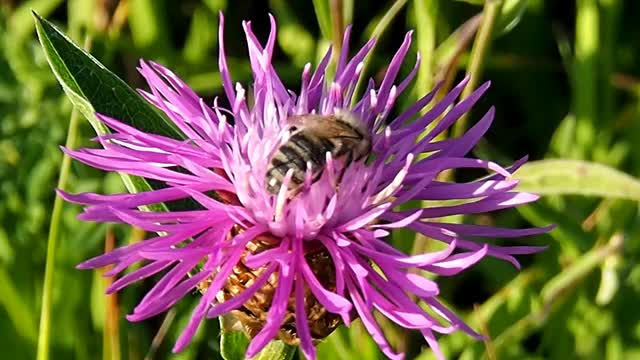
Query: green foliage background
(566, 86)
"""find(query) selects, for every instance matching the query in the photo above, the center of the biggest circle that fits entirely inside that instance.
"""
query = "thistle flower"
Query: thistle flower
(295, 267)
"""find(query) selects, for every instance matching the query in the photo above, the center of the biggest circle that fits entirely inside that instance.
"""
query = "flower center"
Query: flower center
(252, 315)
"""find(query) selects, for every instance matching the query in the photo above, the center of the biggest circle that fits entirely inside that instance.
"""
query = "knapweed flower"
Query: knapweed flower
(294, 266)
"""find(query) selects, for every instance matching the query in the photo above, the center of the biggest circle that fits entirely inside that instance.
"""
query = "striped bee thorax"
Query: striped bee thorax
(312, 137)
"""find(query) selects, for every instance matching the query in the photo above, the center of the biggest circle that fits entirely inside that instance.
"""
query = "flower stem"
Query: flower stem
(610, 10)
(323, 15)
(380, 28)
(337, 30)
(478, 55)
(54, 229)
(161, 334)
(426, 19)
(585, 70)
(44, 334)
(337, 25)
(387, 18)
(111, 332)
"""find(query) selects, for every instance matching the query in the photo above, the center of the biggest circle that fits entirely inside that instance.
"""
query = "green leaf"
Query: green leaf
(564, 177)
(234, 343)
(336, 346)
(93, 88)
(276, 350)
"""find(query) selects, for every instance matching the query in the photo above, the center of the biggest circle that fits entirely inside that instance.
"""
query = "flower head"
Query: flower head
(296, 260)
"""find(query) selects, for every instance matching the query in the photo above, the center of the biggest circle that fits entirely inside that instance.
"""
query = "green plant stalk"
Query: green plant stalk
(111, 331)
(44, 334)
(560, 287)
(321, 8)
(479, 54)
(160, 335)
(336, 17)
(337, 27)
(380, 28)
(585, 74)
(610, 17)
(347, 11)
(426, 17)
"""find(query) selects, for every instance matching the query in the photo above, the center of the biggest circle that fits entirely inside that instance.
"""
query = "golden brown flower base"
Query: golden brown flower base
(253, 314)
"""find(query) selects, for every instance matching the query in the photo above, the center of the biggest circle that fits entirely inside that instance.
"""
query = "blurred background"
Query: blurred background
(566, 83)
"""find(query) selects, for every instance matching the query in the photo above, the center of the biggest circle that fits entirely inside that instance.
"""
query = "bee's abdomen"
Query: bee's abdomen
(294, 155)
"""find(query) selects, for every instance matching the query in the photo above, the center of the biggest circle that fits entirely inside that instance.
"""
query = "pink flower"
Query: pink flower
(345, 214)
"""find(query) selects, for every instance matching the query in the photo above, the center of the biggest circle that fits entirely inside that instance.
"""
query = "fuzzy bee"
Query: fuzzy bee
(312, 136)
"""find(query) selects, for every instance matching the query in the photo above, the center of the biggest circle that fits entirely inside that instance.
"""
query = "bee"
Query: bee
(311, 137)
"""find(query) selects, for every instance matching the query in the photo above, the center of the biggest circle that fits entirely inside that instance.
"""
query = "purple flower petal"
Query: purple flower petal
(458, 262)
(371, 325)
(276, 312)
(137, 275)
(448, 191)
(244, 296)
(302, 326)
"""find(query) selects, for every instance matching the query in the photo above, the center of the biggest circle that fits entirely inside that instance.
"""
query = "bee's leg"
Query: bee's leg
(316, 177)
(347, 161)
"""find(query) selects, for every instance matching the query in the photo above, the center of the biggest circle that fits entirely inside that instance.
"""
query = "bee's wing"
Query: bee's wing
(329, 127)
(325, 126)
(306, 120)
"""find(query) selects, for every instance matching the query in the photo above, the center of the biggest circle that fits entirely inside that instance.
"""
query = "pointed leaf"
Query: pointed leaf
(92, 89)
(84, 77)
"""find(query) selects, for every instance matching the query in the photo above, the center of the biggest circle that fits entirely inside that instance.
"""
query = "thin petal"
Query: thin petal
(302, 325)
(276, 312)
